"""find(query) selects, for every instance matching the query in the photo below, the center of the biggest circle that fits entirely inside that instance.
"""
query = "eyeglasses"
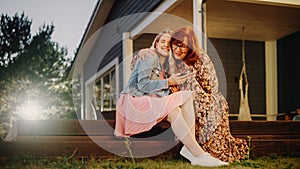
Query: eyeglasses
(179, 45)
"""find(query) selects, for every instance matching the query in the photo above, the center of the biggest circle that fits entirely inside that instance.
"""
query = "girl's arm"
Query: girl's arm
(145, 83)
(148, 85)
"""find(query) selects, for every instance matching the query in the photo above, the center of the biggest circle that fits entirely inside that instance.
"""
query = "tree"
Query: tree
(14, 36)
(43, 63)
(37, 74)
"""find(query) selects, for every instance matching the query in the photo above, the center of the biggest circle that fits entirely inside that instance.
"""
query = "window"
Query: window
(102, 91)
(105, 90)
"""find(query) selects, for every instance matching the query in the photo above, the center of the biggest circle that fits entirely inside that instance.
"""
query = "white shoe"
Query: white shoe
(187, 154)
(205, 160)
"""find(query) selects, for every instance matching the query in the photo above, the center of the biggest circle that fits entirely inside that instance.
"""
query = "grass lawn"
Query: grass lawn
(29, 162)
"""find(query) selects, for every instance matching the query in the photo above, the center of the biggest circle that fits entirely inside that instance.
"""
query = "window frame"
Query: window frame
(90, 109)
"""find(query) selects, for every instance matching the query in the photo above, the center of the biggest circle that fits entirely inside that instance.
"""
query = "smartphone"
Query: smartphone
(182, 74)
(185, 73)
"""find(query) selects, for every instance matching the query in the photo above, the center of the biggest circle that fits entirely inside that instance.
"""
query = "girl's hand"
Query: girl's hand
(177, 79)
(174, 88)
(146, 52)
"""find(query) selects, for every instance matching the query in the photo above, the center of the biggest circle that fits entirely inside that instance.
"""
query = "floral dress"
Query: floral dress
(211, 109)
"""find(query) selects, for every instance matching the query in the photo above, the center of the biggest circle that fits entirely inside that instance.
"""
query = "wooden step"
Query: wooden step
(269, 147)
(265, 127)
(63, 137)
(105, 127)
(89, 148)
(80, 128)
(266, 136)
(65, 127)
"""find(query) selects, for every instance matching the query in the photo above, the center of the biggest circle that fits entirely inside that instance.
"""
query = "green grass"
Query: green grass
(30, 162)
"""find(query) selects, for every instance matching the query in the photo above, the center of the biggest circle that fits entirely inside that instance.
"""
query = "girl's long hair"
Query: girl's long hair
(165, 66)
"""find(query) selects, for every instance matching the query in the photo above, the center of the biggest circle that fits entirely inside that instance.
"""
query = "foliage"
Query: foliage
(127, 145)
(37, 72)
(14, 36)
(30, 161)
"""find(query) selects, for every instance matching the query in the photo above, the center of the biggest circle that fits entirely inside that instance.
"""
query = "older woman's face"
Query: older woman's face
(163, 45)
(180, 49)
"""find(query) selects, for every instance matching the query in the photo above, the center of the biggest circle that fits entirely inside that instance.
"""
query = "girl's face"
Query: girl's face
(163, 45)
(180, 49)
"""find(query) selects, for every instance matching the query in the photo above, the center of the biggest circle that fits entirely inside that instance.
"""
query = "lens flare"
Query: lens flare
(30, 110)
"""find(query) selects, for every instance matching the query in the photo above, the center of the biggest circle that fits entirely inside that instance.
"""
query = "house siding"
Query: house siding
(126, 7)
(121, 9)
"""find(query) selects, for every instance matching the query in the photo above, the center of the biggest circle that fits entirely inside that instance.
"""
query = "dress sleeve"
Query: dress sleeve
(206, 74)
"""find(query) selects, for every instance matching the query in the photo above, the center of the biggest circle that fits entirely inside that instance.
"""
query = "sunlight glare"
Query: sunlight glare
(31, 110)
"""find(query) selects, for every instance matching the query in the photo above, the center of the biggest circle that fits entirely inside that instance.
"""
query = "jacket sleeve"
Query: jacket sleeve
(145, 83)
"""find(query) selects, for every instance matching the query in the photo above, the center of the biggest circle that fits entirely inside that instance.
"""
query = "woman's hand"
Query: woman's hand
(146, 52)
(142, 54)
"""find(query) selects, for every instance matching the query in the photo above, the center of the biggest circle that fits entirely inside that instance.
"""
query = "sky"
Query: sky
(70, 18)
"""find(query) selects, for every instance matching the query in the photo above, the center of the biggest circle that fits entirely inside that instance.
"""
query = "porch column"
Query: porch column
(127, 56)
(199, 19)
(271, 80)
(90, 112)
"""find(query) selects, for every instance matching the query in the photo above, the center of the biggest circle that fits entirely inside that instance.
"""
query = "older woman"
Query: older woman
(211, 108)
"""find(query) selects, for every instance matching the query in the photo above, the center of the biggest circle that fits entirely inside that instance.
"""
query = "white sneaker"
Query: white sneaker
(187, 154)
(205, 160)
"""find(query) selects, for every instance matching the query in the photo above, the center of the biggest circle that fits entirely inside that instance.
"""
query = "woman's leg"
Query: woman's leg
(183, 132)
(189, 114)
(191, 150)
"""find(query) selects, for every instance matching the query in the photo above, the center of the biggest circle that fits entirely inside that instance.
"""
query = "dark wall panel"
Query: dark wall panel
(143, 41)
(289, 72)
(230, 53)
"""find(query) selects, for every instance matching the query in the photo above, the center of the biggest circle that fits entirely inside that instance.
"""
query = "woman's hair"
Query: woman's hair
(159, 35)
(193, 45)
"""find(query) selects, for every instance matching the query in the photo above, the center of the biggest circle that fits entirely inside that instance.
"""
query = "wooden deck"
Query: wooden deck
(94, 138)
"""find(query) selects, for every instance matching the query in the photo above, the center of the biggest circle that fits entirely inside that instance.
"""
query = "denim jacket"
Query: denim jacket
(144, 79)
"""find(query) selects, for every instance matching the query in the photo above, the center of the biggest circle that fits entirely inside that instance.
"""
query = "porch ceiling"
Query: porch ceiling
(262, 22)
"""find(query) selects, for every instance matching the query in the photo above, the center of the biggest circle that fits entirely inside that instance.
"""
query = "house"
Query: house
(119, 28)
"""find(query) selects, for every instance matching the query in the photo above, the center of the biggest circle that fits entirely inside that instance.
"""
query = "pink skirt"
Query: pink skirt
(138, 114)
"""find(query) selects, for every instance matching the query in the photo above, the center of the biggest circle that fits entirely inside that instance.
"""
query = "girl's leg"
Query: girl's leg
(189, 114)
(183, 132)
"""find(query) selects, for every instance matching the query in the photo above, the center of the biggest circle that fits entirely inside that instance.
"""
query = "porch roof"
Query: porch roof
(264, 20)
